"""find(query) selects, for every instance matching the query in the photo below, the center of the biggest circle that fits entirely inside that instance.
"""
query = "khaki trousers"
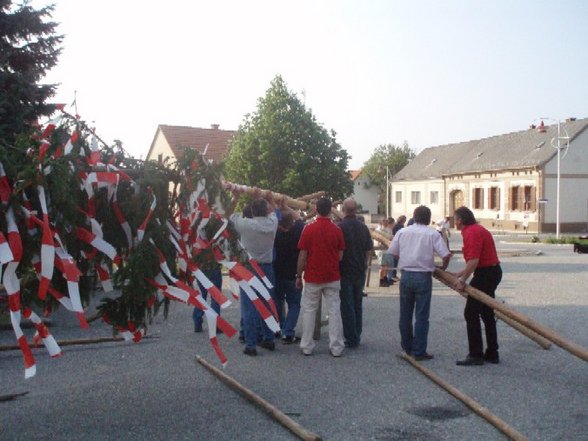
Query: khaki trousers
(311, 296)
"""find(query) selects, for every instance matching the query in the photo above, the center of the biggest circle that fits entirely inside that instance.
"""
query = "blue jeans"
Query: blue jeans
(216, 277)
(251, 318)
(285, 289)
(351, 295)
(415, 297)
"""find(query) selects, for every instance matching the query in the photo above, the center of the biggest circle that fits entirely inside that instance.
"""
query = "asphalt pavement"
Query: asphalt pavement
(156, 390)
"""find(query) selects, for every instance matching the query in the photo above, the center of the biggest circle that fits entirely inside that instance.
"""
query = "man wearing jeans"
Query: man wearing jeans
(286, 252)
(415, 247)
(321, 248)
(257, 236)
(358, 247)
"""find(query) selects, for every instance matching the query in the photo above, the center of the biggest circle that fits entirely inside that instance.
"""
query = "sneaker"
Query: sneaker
(250, 351)
(269, 345)
(333, 354)
(492, 358)
(470, 361)
(424, 357)
(306, 353)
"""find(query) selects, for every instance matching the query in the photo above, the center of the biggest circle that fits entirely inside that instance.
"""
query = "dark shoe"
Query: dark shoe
(278, 334)
(219, 330)
(250, 351)
(390, 281)
(384, 283)
(198, 328)
(470, 361)
(364, 294)
(290, 339)
(351, 345)
(424, 357)
(241, 339)
(269, 345)
(492, 358)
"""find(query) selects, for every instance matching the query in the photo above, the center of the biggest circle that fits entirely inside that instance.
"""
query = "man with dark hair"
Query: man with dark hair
(257, 235)
(479, 253)
(414, 247)
(286, 247)
(321, 248)
(353, 266)
(393, 275)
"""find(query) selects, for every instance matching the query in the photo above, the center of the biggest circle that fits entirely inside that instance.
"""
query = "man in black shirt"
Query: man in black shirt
(353, 266)
(286, 258)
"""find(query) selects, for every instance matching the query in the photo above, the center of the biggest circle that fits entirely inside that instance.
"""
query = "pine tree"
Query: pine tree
(29, 48)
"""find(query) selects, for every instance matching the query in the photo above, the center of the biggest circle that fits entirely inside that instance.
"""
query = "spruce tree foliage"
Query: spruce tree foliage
(281, 147)
(29, 48)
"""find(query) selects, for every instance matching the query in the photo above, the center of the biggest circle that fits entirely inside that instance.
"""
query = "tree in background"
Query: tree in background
(387, 155)
(28, 49)
(281, 147)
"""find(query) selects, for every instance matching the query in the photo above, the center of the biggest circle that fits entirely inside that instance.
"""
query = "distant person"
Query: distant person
(415, 247)
(479, 253)
(444, 228)
(353, 267)
(321, 248)
(399, 226)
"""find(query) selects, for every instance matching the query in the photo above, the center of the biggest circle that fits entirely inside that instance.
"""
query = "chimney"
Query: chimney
(542, 128)
(214, 126)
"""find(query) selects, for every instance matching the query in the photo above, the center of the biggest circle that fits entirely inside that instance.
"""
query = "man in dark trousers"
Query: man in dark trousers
(479, 253)
(286, 259)
(353, 266)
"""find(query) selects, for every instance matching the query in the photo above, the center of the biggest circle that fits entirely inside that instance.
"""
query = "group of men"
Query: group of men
(324, 259)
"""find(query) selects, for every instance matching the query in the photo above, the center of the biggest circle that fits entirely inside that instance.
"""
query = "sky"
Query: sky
(376, 72)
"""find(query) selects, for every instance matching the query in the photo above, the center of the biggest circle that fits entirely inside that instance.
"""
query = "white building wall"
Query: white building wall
(573, 183)
(366, 194)
(160, 147)
(425, 187)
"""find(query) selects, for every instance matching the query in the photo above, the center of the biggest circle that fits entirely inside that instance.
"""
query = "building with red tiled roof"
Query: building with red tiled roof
(170, 141)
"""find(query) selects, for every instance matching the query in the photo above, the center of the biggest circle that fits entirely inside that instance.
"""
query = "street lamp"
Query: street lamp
(387, 193)
(556, 144)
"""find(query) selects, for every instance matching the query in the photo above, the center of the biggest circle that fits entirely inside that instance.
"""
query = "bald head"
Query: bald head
(349, 206)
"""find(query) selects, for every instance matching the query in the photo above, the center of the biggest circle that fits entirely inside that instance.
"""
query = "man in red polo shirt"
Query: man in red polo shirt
(321, 248)
(479, 253)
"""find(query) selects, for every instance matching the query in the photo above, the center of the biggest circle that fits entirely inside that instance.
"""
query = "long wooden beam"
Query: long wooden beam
(278, 415)
(544, 331)
(544, 343)
(474, 405)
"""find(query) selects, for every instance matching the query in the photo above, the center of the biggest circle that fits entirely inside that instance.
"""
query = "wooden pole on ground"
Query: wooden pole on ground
(81, 341)
(273, 411)
(544, 343)
(474, 405)
(543, 331)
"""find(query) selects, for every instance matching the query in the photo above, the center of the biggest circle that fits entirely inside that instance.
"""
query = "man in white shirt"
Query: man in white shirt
(414, 247)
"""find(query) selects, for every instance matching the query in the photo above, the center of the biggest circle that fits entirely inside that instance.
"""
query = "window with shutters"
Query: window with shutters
(494, 198)
(434, 197)
(530, 203)
(415, 197)
(398, 197)
(515, 198)
(478, 198)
